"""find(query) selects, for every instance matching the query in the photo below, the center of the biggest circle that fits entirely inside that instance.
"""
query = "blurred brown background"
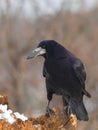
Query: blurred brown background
(23, 23)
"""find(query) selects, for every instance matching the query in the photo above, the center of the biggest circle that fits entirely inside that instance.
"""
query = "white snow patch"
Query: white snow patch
(36, 126)
(9, 116)
(20, 116)
(6, 114)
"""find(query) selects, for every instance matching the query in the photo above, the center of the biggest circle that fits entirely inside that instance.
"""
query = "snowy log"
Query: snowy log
(10, 120)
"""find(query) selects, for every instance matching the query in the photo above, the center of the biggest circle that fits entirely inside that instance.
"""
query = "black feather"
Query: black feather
(65, 75)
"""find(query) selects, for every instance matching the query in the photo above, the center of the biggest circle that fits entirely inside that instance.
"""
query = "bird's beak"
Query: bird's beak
(37, 52)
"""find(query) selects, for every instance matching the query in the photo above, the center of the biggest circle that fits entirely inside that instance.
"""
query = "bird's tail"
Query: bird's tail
(79, 110)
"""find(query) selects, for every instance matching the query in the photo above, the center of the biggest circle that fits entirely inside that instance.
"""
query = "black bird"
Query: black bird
(64, 75)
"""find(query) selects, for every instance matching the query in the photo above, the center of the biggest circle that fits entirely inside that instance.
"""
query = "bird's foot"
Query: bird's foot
(67, 111)
(49, 112)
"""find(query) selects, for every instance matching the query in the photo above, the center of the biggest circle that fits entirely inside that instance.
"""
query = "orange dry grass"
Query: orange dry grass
(41, 123)
(57, 121)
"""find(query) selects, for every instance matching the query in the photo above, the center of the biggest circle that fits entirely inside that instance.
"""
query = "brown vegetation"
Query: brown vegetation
(41, 123)
(57, 121)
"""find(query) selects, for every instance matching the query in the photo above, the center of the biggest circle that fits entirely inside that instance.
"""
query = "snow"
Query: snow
(20, 116)
(9, 116)
(3, 107)
(6, 114)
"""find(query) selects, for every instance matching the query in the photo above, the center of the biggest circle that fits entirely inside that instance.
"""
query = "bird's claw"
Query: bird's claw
(49, 112)
(67, 111)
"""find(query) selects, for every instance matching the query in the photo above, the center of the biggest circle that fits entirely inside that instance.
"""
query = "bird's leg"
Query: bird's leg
(48, 110)
(49, 97)
(67, 110)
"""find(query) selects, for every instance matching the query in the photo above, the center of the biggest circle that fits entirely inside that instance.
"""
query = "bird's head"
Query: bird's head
(47, 49)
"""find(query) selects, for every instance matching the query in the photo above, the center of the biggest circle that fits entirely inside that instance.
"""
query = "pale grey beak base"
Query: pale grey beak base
(38, 51)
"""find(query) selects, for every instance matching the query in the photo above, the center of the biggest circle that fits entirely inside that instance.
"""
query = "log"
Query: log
(57, 121)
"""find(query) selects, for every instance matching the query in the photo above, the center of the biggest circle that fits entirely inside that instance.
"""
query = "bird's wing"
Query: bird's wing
(81, 75)
(79, 72)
